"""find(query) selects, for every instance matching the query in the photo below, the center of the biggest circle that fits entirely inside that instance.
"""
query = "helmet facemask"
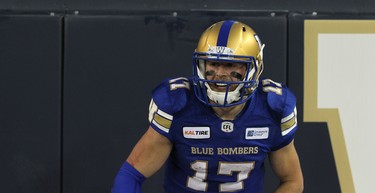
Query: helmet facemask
(244, 88)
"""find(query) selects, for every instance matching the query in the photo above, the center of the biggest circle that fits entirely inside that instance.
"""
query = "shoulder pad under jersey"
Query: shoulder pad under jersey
(171, 95)
(168, 98)
(282, 102)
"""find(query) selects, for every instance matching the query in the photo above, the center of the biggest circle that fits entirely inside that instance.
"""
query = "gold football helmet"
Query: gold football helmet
(230, 42)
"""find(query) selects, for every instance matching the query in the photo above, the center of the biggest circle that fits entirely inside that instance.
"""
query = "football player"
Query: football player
(215, 130)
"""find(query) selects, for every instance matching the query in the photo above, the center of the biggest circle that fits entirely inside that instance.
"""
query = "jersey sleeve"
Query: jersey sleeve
(167, 99)
(283, 104)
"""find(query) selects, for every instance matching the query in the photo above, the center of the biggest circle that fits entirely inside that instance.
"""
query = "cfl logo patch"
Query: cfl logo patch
(227, 126)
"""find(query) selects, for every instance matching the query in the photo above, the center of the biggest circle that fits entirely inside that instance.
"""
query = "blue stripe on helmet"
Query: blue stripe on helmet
(222, 40)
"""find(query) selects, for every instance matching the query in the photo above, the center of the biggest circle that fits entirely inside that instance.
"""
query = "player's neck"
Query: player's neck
(228, 113)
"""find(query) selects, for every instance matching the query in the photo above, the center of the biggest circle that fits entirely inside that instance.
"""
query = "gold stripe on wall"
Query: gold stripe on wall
(312, 28)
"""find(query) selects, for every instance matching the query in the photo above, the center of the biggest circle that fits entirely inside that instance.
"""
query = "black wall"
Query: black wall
(30, 103)
(357, 6)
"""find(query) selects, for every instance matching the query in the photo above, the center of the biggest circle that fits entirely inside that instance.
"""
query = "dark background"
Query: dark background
(76, 77)
(357, 6)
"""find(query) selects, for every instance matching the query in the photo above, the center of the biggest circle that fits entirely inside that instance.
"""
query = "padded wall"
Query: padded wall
(312, 141)
(30, 101)
(111, 65)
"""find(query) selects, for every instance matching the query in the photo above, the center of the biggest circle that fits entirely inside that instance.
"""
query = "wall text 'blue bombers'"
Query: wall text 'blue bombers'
(224, 150)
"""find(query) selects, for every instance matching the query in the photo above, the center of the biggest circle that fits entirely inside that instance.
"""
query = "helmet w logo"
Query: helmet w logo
(220, 49)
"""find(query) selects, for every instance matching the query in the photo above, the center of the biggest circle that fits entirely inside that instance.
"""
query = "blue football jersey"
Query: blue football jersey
(214, 155)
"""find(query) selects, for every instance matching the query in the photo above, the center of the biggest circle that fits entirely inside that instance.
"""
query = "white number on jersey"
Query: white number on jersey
(197, 182)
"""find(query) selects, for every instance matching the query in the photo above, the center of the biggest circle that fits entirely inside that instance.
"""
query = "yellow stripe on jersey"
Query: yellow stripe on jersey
(164, 122)
(159, 118)
(289, 122)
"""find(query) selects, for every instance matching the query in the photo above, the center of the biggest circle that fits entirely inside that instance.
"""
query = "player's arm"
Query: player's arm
(147, 157)
(150, 153)
(153, 149)
(286, 165)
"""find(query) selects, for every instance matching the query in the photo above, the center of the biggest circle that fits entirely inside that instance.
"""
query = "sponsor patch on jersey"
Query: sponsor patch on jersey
(196, 132)
(257, 133)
